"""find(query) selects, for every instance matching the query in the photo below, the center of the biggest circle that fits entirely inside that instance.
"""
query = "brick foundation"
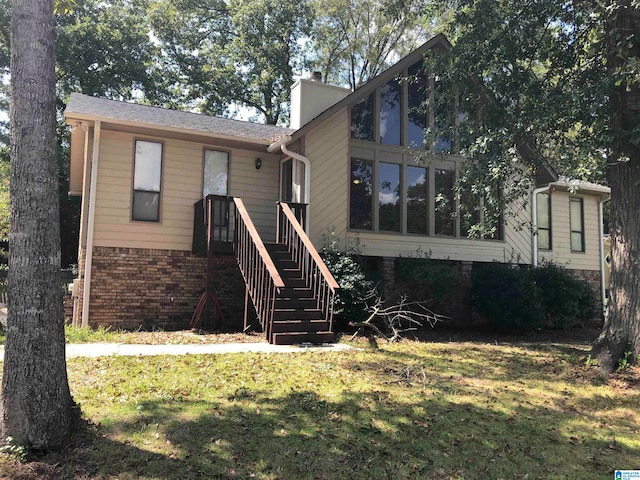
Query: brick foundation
(158, 289)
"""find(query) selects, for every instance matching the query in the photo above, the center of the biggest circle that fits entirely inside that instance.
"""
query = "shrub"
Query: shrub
(355, 288)
(439, 278)
(507, 296)
(564, 298)
(516, 298)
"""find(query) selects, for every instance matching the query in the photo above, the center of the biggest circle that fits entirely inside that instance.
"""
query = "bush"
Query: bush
(507, 296)
(438, 278)
(355, 288)
(564, 298)
(517, 298)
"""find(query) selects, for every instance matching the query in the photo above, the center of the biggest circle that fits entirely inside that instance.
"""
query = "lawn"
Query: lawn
(443, 410)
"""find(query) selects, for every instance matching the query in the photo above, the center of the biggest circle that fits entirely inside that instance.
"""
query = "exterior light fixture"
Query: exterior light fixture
(258, 163)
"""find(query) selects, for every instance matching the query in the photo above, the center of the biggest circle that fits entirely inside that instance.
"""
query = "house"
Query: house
(167, 196)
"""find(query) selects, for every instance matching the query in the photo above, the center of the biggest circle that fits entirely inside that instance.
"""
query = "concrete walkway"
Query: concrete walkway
(107, 349)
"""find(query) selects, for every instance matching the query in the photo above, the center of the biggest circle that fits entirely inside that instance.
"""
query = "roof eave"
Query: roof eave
(73, 117)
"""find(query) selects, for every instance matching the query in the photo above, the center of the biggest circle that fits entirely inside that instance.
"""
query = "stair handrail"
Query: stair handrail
(316, 274)
(260, 274)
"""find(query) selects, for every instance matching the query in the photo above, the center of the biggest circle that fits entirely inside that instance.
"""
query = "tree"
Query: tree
(37, 408)
(621, 331)
(237, 52)
(354, 40)
(556, 83)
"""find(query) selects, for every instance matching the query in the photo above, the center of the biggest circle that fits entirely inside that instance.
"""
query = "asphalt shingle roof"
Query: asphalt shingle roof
(85, 107)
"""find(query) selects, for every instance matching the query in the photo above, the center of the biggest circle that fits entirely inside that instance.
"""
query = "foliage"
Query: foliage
(507, 296)
(563, 298)
(540, 89)
(519, 298)
(439, 278)
(404, 410)
(355, 289)
(19, 452)
(355, 40)
(238, 52)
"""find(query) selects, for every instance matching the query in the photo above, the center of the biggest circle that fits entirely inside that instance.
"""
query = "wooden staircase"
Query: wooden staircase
(296, 316)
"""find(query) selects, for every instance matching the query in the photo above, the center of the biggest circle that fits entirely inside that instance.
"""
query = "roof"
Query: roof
(84, 107)
(580, 186)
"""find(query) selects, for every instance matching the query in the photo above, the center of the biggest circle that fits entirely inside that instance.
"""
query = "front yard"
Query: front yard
(474, 409)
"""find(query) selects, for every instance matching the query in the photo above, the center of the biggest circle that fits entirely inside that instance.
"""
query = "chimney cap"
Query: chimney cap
(316, 76)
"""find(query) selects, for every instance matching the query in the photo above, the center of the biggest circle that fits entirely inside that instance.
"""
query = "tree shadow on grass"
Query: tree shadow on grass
(357, 435)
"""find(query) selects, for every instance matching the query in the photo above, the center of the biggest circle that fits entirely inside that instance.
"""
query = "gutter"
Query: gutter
(282, 146)
(603, 287)
(534, 222)
(88, 256)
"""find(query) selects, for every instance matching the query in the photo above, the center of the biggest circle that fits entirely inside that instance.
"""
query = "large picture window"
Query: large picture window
(544, 221)
(361, 195)
(577, 225)
(413, 110)
(410, 199)
(147, 177)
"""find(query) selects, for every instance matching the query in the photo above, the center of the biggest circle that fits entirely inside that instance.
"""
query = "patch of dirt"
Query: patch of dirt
(189, 337)
(14, 470)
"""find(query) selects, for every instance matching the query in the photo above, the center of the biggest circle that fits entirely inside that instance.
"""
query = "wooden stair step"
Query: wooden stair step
(282, 326)
(296, 338)
(297, 314)
(301, 303)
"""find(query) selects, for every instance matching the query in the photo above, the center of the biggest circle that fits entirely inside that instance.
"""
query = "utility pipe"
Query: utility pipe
(603, 287)
(534, 222)
(282, 146)
(88, 256)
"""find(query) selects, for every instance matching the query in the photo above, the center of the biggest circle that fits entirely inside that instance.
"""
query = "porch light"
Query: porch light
(356, 181)
(258, 163)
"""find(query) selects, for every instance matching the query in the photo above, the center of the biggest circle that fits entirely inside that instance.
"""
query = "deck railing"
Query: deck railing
(260, 274)
(213, 224)
(315, 273)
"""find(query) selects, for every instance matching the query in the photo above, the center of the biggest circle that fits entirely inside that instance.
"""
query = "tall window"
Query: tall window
(215, 173)
(390, 112)
(147, 176)
(444, 202)
(417, 106)
(470, 205)
(389, 197)
(361, 195)
(362, 119)
(577, 225)
(544, 221)
(417, 200)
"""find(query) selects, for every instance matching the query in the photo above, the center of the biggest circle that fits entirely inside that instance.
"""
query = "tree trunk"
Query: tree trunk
(37, 408)
(621, 331)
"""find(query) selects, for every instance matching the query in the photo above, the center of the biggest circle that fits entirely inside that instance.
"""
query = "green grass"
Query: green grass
(411, 410)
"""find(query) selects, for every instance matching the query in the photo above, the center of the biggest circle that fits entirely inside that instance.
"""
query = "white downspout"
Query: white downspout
(88, 256)
(534, 222)
(603, 287)
(282, 146)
